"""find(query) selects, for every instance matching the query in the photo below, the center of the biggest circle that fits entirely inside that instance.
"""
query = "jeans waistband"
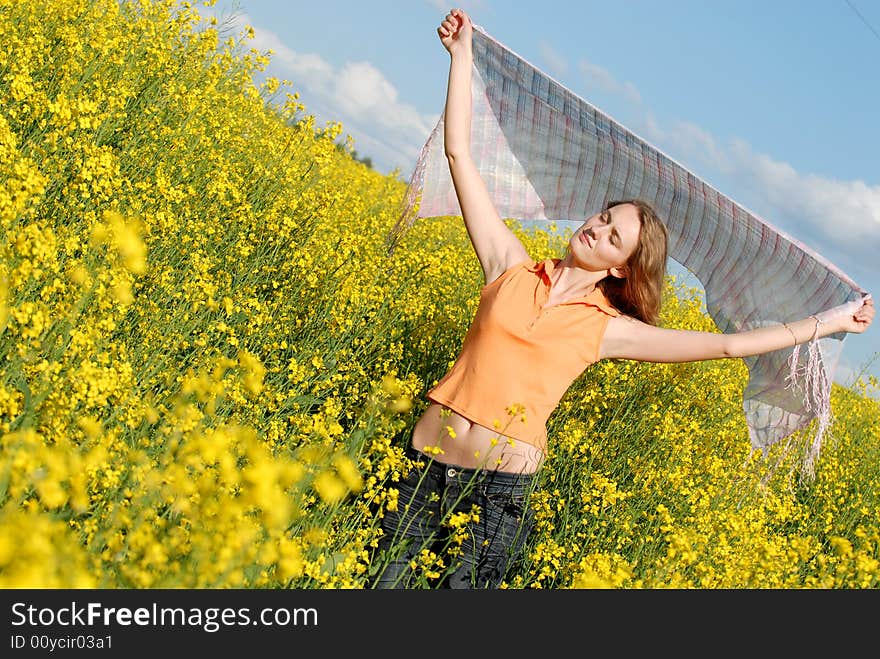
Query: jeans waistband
(438, 468)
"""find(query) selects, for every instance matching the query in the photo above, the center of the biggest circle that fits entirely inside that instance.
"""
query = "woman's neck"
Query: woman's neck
(569, 280)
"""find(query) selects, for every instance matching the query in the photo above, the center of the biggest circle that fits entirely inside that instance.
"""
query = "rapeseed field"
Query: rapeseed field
(211, 361)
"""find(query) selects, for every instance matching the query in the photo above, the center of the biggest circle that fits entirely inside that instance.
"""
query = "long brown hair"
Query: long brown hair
(638, 293)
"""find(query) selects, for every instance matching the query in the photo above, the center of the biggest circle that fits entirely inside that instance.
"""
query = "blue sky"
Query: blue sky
(773, 102)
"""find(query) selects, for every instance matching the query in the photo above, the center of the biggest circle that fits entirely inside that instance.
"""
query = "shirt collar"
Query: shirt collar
(547, 266)
(595, 298)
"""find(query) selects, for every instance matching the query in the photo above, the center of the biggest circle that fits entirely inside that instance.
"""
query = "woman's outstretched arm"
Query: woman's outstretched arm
(496, 245)
(628, 338)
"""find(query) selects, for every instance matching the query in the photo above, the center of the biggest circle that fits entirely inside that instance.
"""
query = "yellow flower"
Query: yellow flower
(4, 296)
(348, 471)
(122, 293)
(842, 546)
(254, 372)
(330, 487)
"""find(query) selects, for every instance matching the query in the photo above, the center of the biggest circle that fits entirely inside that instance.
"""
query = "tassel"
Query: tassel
(409, 205)
(812, 381)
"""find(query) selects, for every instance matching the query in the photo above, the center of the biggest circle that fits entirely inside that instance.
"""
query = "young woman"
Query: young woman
(538, 326)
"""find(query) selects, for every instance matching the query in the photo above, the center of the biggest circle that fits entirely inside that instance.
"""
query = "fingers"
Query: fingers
(866, 312)
(448, 26)
(461, 15)
(455, 19)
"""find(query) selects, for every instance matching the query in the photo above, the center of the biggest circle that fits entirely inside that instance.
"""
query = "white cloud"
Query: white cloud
(844, 212)
(847, 212)
(363, 93)
(356, 94)
(310, 70)
(557, 65)
(602, 79)
(696, 143)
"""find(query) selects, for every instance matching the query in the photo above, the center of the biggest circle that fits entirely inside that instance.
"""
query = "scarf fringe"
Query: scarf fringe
(811, 379)
(409, 205)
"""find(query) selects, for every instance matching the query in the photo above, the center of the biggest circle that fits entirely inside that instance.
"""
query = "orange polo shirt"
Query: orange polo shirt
(518, 359)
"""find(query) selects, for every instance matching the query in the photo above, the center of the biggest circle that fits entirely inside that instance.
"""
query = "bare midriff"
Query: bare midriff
(470, 444)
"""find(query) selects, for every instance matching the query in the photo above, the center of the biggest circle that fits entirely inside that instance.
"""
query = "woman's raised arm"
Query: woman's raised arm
(628, 338)
(496, 245)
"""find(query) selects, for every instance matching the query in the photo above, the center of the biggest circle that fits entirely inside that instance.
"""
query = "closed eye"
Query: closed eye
(615, 237)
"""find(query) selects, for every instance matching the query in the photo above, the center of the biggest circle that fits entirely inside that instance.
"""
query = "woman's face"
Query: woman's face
(608, 239)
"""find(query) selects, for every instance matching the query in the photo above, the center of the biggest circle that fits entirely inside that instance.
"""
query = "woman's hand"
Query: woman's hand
(455, 31)
(853, 317)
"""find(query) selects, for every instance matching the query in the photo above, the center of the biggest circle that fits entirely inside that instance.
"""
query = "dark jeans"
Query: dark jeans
(431, 493)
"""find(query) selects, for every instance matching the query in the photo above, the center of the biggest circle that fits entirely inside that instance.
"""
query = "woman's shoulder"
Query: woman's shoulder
(600, 299)
(527, 264)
